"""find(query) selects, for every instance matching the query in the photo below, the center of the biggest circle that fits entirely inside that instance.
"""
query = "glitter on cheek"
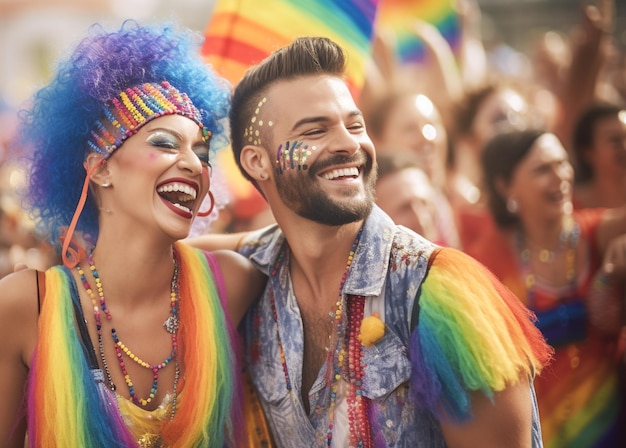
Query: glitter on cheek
(293, 156)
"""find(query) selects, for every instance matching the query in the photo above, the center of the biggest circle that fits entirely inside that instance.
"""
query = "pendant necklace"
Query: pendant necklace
(171, 325)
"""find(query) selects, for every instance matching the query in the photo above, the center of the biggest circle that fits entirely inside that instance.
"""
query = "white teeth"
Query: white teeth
(342, 172)
(182, 207)
(178, 187)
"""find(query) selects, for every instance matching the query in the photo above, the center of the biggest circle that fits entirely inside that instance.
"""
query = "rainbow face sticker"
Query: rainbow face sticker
(293, 156)
(253, 132)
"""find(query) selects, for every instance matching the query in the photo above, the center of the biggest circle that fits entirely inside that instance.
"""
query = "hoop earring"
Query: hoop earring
(207, 213)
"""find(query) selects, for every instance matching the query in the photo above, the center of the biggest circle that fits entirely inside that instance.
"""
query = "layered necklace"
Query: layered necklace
(345, 361)
(568, 241)
(122, 351)
(564, 322)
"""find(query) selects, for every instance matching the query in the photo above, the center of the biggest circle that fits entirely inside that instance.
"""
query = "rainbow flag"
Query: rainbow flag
(240, 33)
(398, 15)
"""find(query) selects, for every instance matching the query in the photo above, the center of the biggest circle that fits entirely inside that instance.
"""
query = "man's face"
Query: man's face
(322, 156)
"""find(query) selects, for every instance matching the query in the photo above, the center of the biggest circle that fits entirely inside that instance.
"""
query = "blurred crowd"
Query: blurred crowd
(456, 137)
(437, 114)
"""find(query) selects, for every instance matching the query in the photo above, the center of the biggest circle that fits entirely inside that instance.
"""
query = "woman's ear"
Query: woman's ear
(98, 164)
(255, 161)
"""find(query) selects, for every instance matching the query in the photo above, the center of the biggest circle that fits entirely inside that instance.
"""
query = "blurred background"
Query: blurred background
(512, 36)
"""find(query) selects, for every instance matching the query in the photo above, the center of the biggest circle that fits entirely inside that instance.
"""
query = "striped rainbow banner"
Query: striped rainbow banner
(397, 15)
(241, 33)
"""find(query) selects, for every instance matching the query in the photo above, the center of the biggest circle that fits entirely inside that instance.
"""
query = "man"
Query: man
(367, 334)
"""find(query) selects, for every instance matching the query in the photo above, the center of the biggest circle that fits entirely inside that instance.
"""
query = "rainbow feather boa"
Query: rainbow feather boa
(67, 408)
(473, 335)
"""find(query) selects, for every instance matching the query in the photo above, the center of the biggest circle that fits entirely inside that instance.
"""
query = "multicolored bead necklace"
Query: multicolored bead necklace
(344, 360)
(564, 322)
(568, 240)
(170, 325)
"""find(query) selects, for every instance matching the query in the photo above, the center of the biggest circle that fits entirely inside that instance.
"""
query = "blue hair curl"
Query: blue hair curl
(55, 128)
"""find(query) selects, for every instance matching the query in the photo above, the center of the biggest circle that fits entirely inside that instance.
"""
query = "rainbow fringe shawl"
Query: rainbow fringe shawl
(473, 335)
(67, 408)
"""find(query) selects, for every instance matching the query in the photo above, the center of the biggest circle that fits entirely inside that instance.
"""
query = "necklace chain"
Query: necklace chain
(344, 360)
(568, 240)
(170, 325)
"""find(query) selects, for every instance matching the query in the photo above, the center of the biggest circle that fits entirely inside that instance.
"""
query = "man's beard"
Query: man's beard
(304, 195)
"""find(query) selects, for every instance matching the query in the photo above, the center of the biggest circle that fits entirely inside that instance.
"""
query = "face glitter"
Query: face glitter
(293, 156)
(253, 132)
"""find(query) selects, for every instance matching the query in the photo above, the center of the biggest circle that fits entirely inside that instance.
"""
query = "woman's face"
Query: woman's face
(414, 124)
(159, 177)
(542, 182)
(503, 108)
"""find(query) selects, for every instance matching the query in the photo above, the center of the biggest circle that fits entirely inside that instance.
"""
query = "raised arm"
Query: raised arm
(18, 332)
(613, 225)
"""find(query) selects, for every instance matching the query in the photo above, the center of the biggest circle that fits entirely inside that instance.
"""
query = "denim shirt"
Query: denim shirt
(388, 268)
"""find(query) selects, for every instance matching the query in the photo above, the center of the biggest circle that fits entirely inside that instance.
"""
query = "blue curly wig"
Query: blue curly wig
(56, 127)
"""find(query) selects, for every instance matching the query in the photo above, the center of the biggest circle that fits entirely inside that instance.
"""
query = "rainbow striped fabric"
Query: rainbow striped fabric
(398, 15)
(241, 33)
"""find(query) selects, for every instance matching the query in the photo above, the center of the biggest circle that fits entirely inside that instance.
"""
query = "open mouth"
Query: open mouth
(341, 173)
(180, 195)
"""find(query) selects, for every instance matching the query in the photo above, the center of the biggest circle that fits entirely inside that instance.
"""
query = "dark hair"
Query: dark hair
(501, 155)
(584, 133)
(304, 56)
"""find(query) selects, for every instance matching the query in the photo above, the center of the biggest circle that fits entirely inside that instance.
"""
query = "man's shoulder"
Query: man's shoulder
(262, 246)
(408, 245)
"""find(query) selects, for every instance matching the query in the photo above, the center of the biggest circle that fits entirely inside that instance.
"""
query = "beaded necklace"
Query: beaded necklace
(564, 321)
(344, 360)
(170, 325)
(568, 240)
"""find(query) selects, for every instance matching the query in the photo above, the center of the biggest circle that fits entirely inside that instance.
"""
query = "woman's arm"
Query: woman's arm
(217, 241)
(243, 282)
(611, 226)
(18, 333)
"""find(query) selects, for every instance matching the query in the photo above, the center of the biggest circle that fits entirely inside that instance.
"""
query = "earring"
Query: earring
(512, 205)
(263, 176)
(207, 213)
(106, 184)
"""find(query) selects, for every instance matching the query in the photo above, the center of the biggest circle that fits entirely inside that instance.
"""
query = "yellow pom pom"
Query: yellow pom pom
(372, 329)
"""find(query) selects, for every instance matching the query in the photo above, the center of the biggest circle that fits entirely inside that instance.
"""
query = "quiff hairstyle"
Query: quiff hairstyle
(305, 56)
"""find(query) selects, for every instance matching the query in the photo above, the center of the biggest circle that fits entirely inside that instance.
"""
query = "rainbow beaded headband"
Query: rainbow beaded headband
(125, 114)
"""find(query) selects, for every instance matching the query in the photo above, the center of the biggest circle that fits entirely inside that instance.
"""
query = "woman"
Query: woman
(409, 124)
(548, 255)
(599, 144)
(129, 343)
(479, 115)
